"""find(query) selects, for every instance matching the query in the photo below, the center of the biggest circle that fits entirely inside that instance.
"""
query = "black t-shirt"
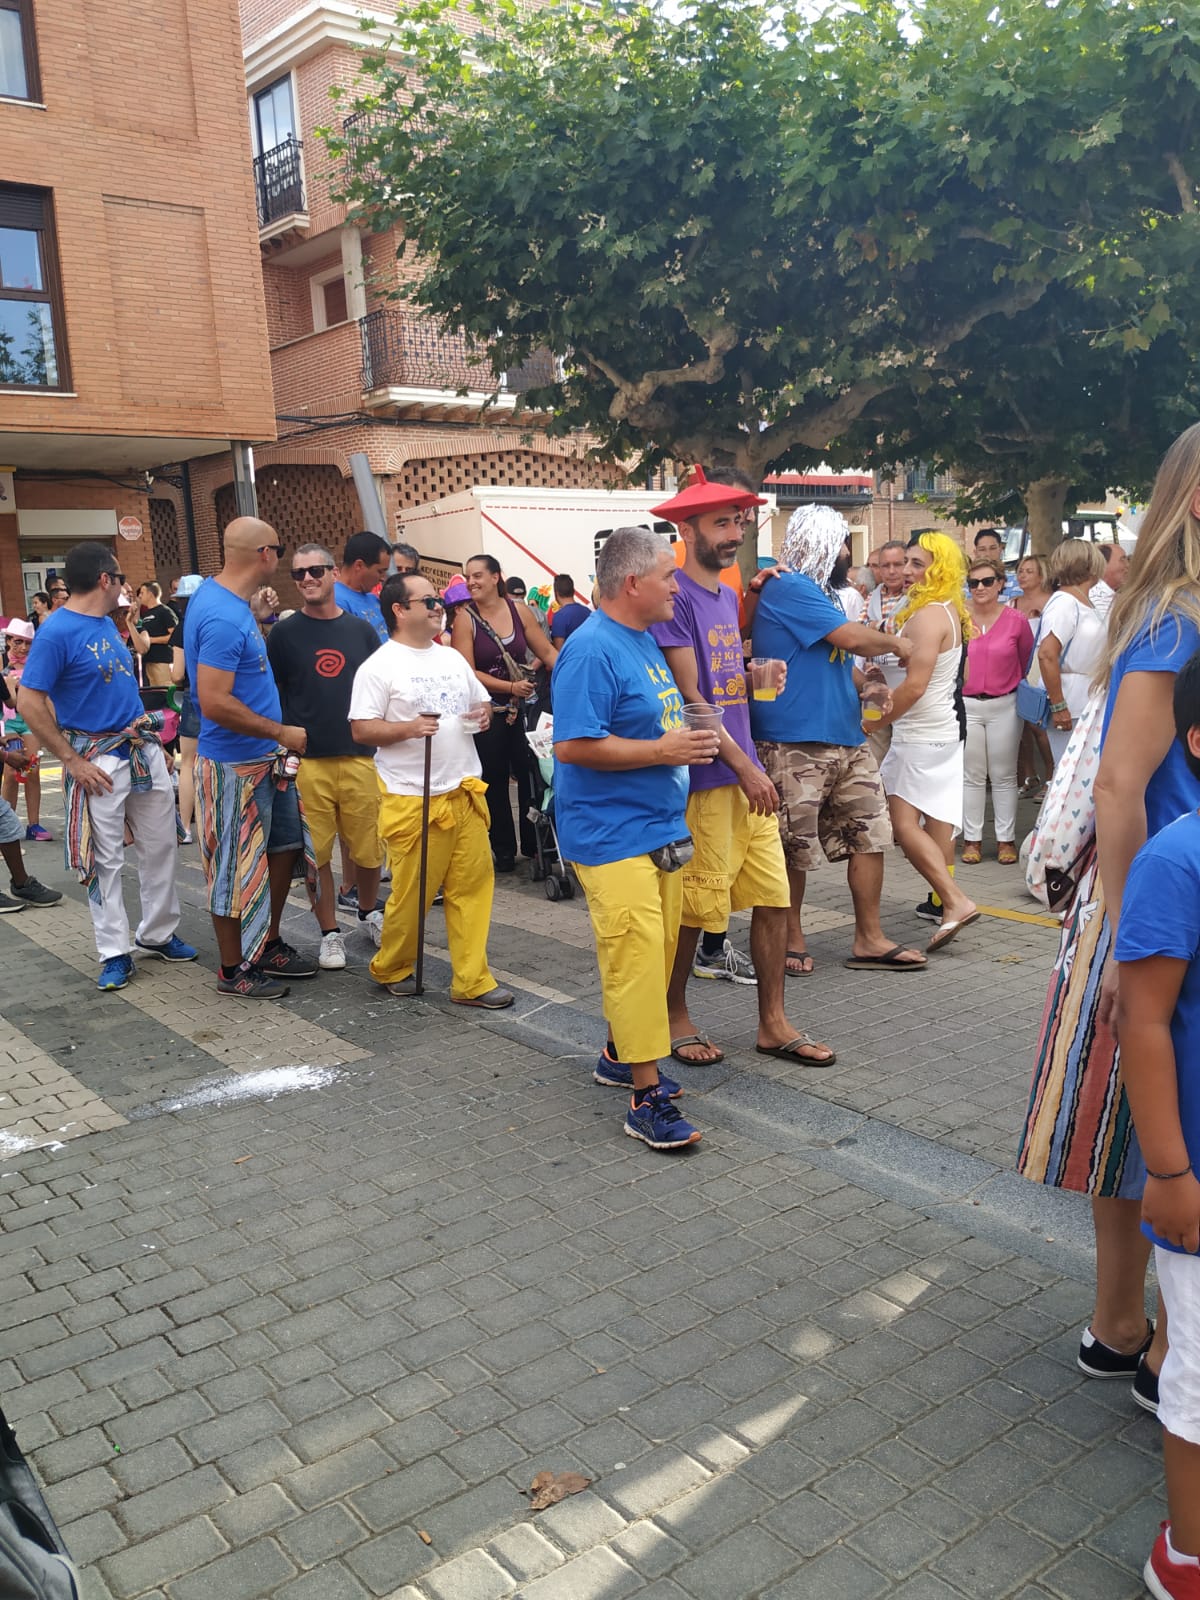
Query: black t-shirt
(314, 662)
(158, 620)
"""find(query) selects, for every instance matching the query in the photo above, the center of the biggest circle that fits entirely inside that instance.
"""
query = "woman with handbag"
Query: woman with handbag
(1070, 637)
(1078, 1133)
(501, 639)
(997, 657)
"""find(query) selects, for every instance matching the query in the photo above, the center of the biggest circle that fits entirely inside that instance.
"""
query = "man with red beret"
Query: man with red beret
(738, 862)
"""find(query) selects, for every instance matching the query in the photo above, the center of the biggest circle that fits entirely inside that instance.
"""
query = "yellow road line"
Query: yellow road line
(1020, 916)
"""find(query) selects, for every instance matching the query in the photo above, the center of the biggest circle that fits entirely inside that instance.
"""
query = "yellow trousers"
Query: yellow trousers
(635, 912)
(460, 863)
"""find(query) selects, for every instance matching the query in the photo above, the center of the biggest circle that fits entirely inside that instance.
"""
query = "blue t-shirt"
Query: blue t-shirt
(1160, 916)
(707, 624)
(1172, 790)
(610, 679)
(365, 606)
(819, 703)
(567, 618)
(85, 667)
(219, 631)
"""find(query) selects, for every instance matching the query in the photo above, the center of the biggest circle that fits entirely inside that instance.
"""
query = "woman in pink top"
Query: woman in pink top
(997, 659)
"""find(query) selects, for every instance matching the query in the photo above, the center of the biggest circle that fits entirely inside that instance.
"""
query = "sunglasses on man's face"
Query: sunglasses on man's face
(300, 573)
(981, 583)
(116, 577)
(429, 601)
(259, 548)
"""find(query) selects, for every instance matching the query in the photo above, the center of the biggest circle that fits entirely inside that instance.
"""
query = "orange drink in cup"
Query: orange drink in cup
(765, 674)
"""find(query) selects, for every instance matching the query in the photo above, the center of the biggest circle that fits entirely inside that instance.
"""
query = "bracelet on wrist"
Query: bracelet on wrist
(1058, 707)
(1166, 1177)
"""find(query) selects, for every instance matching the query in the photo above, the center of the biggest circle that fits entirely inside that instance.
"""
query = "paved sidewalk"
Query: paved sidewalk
(308, 1335)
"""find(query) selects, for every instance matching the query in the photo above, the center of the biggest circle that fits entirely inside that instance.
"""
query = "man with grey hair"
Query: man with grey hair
(314, 655)
(622, 750)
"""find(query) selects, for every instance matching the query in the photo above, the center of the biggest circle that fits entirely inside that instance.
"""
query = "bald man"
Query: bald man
(248, 812)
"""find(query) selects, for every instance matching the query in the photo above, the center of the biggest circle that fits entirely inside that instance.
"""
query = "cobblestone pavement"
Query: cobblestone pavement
(309, 1335)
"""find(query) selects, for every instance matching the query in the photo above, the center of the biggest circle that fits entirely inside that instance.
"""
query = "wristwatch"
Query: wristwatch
(1058, 705)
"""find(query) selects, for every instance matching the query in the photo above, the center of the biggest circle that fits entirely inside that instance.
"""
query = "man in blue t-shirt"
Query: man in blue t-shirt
(1158, 1026)
(569, 614)
(621, 751)
(811, 741)
(246, 805)
(366, 558)
(80, 698)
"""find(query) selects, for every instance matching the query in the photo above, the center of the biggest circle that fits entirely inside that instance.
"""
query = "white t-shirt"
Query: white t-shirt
(1082, 635)
(852, 603)
(398, 683)
(1102, 598)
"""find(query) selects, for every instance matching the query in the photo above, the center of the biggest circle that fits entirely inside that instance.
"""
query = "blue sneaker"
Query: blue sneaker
(656, 1122)
(349, 900)
(115, 973)
(173, 950)
(616, 1075)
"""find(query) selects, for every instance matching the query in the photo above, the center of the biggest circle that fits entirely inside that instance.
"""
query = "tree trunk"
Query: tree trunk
(1045, 502)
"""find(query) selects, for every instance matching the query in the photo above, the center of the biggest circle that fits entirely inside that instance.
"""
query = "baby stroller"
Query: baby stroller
(548, 867)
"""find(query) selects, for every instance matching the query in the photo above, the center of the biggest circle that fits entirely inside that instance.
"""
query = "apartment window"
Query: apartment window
(274, 117)
(329, 301)
(18, 54)
(31, 315)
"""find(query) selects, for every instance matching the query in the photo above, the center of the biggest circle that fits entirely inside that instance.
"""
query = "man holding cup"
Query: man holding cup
(811, 742)
(411, 690)
(621, 752)
(738, 863)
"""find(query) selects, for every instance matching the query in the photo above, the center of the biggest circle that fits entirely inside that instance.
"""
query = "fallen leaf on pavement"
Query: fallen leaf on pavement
(548, 1488)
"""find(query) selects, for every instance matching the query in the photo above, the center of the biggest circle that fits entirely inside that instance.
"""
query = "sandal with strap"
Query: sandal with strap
(972, 854)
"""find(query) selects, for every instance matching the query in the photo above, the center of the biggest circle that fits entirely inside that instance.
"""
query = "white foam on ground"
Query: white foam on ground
(11, 1145)
(263, 1085)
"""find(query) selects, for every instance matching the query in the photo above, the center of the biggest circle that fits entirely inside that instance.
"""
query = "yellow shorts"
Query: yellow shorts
(635, 917)
(341, 796)
(737, 861)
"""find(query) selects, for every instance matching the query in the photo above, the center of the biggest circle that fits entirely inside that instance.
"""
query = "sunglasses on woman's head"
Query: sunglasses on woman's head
(981, 583)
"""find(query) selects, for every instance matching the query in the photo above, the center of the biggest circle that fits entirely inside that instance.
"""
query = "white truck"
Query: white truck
(536, 533)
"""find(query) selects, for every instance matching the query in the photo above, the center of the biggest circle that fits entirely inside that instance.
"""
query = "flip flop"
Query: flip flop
(950, 930)
(889, 961)
(791, 1052)
(801, 956)
(695, 1038)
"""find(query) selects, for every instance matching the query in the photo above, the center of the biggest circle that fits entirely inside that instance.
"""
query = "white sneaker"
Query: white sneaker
(333, 952)
(374, 926)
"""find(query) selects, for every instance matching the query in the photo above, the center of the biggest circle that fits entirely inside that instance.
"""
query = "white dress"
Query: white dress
(925, 762)
(1082, 635)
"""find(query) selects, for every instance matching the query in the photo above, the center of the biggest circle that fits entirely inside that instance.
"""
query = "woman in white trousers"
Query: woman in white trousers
(997, 659)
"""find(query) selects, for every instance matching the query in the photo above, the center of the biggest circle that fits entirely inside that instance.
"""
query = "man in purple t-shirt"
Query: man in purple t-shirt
(738, 863)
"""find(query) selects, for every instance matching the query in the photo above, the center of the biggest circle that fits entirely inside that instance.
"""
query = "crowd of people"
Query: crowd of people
(715, 740)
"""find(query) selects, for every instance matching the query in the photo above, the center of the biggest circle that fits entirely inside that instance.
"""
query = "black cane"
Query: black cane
(418, 976)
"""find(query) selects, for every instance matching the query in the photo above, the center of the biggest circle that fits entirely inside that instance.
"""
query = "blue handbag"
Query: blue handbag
(1033, 703)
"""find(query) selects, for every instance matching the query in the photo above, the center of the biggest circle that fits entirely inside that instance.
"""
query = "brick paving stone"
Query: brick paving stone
(167, 1555)
(474, 1576)
(597, 1572)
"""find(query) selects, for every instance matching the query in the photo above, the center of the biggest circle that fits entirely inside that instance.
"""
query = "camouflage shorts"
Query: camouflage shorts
(829, 794)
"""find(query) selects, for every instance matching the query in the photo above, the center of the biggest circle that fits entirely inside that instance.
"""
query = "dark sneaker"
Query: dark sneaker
(248, 983)
(496, 999)
(616, 1075)
(348, 899)
(173, 950)
(928, 912)
(282, 961)
(1101, 1361)
(9, 907)
(36, 834)
(34, 893)
(656, 1122)
(115, 973)
(1145, 1388)
(1167, 1579)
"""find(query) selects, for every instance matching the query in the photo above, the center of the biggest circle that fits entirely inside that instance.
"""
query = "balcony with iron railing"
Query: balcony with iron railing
(279, 183)
(402, 351)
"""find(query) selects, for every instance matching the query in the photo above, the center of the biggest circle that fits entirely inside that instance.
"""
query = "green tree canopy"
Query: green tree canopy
(744, 234)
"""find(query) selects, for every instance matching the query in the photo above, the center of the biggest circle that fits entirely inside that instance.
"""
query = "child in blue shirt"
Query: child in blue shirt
(1158, 948)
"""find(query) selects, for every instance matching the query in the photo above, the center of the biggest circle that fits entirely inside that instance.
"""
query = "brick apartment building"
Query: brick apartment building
(878, 508)
(352, 371)
(132, 322)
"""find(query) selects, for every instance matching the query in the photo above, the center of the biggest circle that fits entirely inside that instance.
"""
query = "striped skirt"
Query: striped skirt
(1078, 1132)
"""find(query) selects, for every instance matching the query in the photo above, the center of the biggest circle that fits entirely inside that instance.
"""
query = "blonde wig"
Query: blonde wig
(943, 582)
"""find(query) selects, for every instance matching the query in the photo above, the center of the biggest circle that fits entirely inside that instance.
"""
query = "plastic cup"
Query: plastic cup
(872, 713)
(703, 718)
(765, 673)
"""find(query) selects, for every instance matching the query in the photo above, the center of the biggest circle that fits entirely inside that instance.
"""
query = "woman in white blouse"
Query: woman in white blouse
(1071, 636)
